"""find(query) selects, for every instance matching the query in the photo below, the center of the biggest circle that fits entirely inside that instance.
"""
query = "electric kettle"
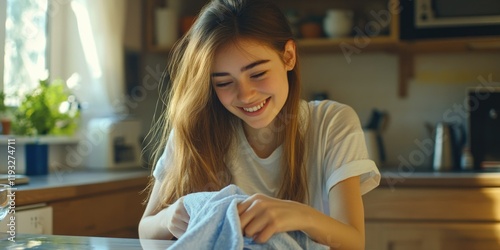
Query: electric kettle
(448, 141)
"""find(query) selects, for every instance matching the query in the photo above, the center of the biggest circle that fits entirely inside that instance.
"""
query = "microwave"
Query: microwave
(422, 19)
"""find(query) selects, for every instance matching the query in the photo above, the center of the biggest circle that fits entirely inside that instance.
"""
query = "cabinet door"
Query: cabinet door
(432, 236)
(114, 214)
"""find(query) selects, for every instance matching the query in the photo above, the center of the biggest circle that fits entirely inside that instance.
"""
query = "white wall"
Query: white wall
(371, 80)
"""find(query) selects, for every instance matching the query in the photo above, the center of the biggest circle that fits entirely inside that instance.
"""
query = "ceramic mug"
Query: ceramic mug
(338, 22)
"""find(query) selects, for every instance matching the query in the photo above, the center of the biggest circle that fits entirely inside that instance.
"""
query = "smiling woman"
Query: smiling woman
(235, 116)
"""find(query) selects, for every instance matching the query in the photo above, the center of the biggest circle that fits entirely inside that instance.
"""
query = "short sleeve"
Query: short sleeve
(165, 159)
(346, 154)
(365, 169)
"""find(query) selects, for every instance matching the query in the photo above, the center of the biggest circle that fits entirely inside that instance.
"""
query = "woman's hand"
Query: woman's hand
(176, 218)
(262, 216)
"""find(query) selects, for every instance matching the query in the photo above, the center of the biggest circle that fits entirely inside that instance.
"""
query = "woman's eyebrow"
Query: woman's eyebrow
(251, 65)
(244, 68)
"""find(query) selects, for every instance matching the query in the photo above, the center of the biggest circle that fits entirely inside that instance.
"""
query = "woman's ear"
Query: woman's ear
(289, 55)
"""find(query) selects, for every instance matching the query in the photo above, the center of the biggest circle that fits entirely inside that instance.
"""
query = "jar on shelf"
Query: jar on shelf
(338, 23)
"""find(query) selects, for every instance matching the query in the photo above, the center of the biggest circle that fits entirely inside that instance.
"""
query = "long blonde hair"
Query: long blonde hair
(203, 129)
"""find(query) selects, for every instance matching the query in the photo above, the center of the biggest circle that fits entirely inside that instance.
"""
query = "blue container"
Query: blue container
(37, 159)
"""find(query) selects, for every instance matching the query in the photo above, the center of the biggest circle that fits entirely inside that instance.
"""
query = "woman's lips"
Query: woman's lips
(257, 109)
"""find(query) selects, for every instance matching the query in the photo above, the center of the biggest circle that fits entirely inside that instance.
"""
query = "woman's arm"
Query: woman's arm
(345, 229)
(163, 224)
(263, 216)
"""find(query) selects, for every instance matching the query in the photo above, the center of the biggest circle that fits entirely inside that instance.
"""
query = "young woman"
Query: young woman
(235, 115)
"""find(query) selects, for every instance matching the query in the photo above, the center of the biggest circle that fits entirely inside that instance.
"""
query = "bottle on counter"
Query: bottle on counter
(467, 161)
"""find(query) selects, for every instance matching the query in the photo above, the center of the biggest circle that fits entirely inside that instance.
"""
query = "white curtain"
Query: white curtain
(87, 46)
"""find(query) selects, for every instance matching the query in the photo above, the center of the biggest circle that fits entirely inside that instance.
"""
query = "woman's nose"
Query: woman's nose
(246, 91)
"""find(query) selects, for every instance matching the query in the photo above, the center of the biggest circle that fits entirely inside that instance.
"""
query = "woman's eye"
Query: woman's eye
(222, 84)
(261, 74)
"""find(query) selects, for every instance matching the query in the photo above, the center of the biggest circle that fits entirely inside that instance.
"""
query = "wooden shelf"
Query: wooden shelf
(453, 45)
(405, 50)
(44, 139)
(408, 49)
(381, 43)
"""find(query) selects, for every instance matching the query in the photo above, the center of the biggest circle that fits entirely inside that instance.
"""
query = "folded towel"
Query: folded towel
(215, 224)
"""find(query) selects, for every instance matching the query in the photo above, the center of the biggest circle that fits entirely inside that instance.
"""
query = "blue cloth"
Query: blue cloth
(215, 224)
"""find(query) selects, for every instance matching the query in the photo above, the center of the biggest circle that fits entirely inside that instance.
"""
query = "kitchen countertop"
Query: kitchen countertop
(33, 241)
(69, 184)
(81, 177)
(392, 177)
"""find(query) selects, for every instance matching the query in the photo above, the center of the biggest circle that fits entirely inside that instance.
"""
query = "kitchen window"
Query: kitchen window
(78, 41)
(23, 50)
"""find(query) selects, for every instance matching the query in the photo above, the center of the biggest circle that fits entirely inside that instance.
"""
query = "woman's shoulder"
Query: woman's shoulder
(329, 109)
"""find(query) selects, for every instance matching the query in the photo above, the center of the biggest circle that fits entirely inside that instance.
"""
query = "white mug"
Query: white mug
(338, 22)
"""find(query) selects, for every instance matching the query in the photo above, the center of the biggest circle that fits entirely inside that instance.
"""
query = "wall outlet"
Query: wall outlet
(29, 220)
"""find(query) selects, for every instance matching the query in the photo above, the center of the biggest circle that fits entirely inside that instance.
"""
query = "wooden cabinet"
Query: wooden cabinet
(432, 236)
(109, 214)
(104, 204)
(433, 218)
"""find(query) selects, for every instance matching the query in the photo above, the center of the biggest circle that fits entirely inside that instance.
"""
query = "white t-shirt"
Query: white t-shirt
(336, 151)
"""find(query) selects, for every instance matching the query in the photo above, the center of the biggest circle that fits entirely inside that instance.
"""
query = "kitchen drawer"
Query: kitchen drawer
(433, 204)
(432, 236)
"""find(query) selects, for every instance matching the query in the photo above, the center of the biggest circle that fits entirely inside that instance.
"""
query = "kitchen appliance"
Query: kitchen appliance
(442, 159)
(114, 143)
(449, 140)
(29, 219)
(449, 18)
(373, 131)
(484, 126)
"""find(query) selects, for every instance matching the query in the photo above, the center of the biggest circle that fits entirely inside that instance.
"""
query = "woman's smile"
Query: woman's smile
(257, 109)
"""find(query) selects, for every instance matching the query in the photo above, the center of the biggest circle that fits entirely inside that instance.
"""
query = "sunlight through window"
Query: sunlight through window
(25, 60)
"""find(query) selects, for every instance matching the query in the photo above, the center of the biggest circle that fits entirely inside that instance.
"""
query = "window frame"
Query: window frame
(3, 18)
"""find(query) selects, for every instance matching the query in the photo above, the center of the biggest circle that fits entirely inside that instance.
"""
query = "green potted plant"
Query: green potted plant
(49, 110)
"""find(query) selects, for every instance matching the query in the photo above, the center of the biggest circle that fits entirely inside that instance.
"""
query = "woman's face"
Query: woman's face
(250, 80)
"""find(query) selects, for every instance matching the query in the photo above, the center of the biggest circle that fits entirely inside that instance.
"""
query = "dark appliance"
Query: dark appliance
(484, 126)
(422, 19)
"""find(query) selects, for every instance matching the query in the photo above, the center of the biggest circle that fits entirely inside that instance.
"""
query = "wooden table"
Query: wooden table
(50, 242)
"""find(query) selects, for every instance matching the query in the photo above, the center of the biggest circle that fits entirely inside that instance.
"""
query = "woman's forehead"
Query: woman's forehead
(243, 50)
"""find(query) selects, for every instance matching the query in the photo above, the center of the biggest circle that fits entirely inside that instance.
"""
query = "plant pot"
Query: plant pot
(6, 124)
(311, 30)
